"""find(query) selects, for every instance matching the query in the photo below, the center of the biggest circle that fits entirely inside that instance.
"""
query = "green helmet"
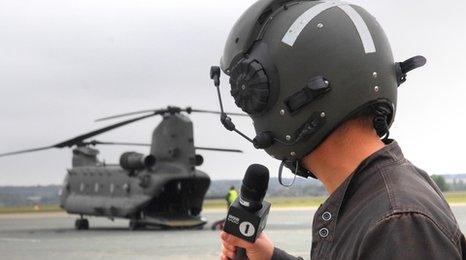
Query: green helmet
(302, 68)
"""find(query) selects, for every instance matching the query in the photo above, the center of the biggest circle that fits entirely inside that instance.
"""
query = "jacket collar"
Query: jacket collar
(326, 217)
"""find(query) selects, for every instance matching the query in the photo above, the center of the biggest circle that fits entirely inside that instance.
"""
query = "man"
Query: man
(319, 81)
(231, 196)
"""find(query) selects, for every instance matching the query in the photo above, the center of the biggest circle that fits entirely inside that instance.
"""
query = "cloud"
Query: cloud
(64, 63)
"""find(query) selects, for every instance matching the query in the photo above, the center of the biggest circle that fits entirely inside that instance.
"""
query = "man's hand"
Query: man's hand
(262, 249)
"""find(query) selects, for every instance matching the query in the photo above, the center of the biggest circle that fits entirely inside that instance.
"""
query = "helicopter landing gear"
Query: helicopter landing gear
(81, 224)
(135, 224)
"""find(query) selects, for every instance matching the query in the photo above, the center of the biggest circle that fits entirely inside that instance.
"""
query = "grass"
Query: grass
(455, 197)
(277, 202)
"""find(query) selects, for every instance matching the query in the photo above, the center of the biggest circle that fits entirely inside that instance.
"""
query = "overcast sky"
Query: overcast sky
(64, 63)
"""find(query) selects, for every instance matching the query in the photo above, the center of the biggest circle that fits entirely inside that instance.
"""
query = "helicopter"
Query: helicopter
(162, 189)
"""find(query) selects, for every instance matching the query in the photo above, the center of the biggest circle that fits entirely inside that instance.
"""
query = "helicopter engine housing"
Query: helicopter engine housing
(135, 161)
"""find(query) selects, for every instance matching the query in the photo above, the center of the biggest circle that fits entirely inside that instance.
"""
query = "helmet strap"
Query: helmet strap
(280, 174)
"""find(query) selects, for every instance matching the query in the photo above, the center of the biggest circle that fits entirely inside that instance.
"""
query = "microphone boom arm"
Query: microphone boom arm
(224, 118)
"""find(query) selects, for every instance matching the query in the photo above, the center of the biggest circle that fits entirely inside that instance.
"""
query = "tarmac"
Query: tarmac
(52, 236)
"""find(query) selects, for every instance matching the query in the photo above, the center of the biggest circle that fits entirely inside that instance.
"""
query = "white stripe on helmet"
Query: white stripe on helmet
(303, 20)
(361, 26)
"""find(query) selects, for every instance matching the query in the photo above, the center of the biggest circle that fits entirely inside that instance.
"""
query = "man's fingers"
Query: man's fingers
(228, 250)
(230, 254)
(234, 241)
(228, 247)
(223, 257)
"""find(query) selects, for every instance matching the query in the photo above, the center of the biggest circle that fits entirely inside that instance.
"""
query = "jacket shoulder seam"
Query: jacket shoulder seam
(414, 213)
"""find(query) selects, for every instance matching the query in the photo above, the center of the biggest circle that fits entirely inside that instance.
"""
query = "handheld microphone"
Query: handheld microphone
(247, 216)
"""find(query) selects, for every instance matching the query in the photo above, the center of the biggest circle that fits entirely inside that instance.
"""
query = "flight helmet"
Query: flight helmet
(300, 69)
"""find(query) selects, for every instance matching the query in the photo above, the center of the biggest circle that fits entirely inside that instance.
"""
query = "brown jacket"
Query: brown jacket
(387, 209)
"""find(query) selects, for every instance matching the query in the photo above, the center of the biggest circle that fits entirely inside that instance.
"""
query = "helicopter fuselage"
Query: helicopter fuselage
(164, 195)
(168, 193)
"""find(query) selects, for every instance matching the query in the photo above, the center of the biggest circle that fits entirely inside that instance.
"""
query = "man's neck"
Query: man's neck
(341, 153)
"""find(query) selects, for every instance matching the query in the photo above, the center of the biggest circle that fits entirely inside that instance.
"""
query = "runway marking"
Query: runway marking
(9, 239)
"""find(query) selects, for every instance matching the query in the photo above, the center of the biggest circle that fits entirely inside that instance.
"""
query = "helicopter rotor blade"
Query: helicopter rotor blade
(97, 142)
(169, 109)
(218, 149)
(27, 151)
(78, 140)
(217, 112)
(125, 114)
(152, 111)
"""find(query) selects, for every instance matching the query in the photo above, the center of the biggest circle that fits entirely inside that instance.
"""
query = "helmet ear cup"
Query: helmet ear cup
(250, 86)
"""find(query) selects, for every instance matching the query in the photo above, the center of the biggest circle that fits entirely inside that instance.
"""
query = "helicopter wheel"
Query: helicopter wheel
(134, 224)
(81, 224)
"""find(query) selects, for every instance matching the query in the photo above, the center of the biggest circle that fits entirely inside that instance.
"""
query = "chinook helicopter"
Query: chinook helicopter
(161, 189)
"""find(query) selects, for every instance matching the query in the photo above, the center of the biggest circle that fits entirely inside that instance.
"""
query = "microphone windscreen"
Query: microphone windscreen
(255, 182)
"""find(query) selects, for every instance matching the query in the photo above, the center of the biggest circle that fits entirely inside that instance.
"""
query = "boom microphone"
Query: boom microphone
(247, 216)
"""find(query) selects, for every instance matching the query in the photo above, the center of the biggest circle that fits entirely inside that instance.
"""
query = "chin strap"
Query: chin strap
(297, 170)
(280, 174)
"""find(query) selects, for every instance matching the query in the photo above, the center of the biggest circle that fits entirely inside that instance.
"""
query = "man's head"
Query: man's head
(301, 69)
(232, 187)
(338, 155)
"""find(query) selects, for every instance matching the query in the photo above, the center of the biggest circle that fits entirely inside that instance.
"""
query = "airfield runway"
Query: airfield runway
(51, 236)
